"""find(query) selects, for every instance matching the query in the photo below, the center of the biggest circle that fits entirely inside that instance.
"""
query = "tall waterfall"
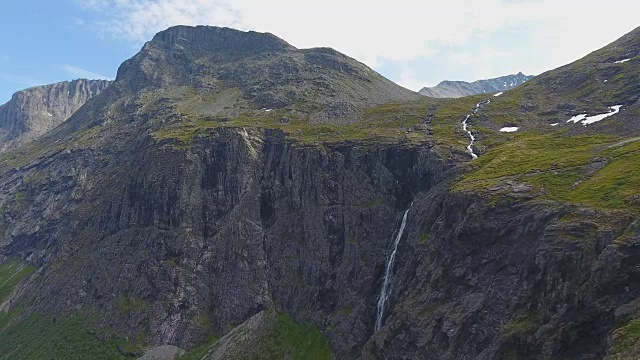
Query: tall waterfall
(385, 292)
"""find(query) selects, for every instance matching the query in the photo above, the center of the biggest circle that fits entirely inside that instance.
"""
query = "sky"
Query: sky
(414, 43)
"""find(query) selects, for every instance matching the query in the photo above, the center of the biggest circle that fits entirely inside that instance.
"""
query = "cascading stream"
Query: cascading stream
(464, 127)
(385, 292)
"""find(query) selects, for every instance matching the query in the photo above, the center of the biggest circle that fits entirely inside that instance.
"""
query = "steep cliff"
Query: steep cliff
(193, 204)
(31, 113)
(456, 89)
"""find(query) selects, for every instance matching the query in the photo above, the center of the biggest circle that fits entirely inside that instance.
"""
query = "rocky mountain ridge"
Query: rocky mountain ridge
(33, 112)
(456, 89)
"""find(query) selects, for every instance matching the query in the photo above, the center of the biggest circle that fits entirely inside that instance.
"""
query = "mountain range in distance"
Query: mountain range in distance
(457, 89)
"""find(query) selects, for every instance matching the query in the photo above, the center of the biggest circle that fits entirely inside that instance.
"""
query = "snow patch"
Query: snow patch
(593, 119)
(498, 94)
(577, 118)
(48, 113)
(586, 120)
(554, 124)
(267, 110)
(509, 129)
(622, 61)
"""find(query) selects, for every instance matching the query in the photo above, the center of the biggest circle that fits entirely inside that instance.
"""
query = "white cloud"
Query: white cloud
(398, 32)
(409, 80)
(78, 72)
(369, 31)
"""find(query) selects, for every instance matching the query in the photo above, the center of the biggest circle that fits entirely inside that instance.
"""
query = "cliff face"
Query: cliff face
(456, 89)
(241, 222)
(31, 113)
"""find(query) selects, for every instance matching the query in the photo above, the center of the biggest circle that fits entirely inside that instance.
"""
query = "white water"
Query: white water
(464, 127)
(385, 292)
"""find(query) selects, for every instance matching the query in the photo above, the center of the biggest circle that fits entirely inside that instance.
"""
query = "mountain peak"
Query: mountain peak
(169, 58)
(213, 39)
(265, 70)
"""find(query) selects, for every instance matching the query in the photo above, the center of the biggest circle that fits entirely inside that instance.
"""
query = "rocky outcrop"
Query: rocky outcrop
(33, 112)
(456, 89)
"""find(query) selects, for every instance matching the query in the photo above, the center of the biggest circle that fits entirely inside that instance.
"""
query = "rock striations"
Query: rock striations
(31, 113)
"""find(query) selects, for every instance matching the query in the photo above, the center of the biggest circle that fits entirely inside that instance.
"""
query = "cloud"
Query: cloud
(554, 32)
(409, 80)
(78, 72)
(369, 31)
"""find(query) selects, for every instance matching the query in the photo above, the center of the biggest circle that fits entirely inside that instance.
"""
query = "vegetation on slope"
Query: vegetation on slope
(393, 122)
(626, 341)
(36, 337)
(596, 170)
(290, 340)
(40, 337)
(12, 272)
(278, 337)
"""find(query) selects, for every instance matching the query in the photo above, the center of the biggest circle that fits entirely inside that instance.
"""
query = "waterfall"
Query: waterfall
(385, 292)
(469, 133)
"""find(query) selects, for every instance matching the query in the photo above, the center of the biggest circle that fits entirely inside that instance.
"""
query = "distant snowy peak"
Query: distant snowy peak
(455, 89)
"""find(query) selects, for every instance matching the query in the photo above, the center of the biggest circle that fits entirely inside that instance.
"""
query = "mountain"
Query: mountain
(230, 196)
(31, 113)
(456, 89)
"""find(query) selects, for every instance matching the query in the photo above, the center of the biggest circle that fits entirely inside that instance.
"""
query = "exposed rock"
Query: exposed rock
(164, 352)
(31, 113)
(234, 344)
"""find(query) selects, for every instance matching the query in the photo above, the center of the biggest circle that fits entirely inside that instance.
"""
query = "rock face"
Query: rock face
(456, 89)
(31, 113)
(166, 233)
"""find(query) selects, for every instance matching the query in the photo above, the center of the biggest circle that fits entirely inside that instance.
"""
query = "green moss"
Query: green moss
(386, 123)
(128, 304)
(36, 337)
(563, 168)
(201, 350)
(624, 237)
(520, 325)
(285, 340)
(173, 262)
(626, 341)
(424, 238)
(12, 272)
(290, 340)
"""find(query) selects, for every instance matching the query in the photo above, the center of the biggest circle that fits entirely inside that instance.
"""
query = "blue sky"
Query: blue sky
(415, 43)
